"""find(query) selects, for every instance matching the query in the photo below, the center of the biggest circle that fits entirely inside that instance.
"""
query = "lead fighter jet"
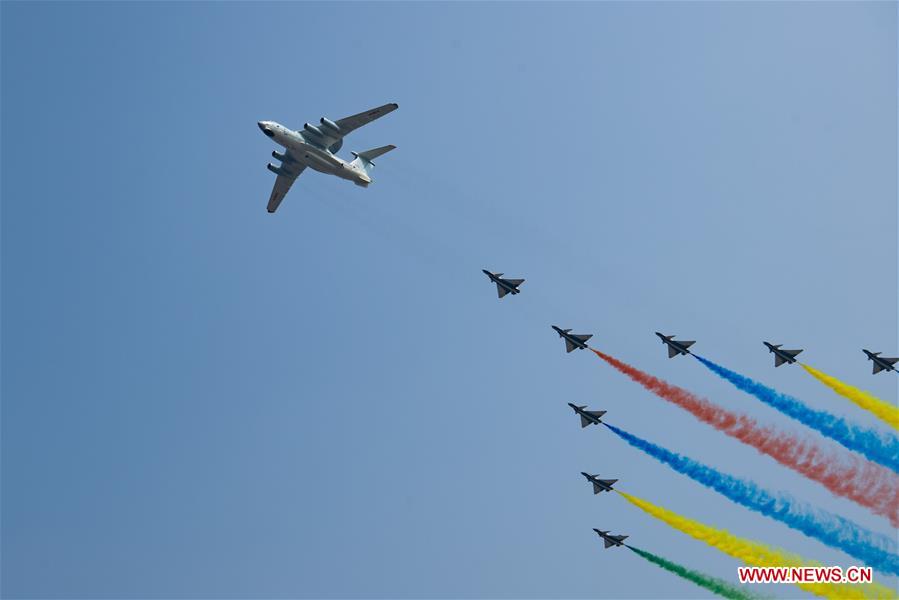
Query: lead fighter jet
(588, 417)
(675, 348)
(599, 485)
(316, 146)
(573, 340)
(610, 540)
(881, 363)
(782, 356)
(504, 286)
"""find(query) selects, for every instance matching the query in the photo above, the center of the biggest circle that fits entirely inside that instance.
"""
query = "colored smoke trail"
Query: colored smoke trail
(885, 411)
(713, 584)
(862, 482)
(757, 554)
(875, 550)
(883, 449)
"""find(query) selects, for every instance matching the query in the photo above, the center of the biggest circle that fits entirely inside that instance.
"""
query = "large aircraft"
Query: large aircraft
(675, 348)
(588, 417)
(881, 363)
(610, 540)
(504, 286)
(599, 485)
(573, 340)
(782, 356)
(316, 147)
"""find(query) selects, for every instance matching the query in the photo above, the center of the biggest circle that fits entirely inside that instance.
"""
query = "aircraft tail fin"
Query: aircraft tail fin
(365, 158)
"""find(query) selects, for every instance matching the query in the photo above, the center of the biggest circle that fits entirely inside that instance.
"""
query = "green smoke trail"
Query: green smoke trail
(713, 584)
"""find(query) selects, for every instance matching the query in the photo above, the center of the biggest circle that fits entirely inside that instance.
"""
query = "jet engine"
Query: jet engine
(313, 129)
(278, 156)
(328, 123)
(277, 170)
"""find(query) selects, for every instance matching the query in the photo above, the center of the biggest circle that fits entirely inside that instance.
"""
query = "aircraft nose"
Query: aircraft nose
(265, 126)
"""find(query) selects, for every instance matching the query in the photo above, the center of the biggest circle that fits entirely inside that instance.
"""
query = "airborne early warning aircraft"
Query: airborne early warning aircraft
(611, 540)
(316, 147)
(782, 355)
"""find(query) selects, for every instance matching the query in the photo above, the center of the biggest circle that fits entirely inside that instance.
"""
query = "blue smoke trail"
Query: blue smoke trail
(873, 549)
(880, 448)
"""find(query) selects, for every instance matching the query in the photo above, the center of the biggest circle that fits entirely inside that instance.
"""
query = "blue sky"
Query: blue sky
(202, 400)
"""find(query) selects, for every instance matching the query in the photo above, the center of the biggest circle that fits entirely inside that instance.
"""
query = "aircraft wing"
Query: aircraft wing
(515, 282)
(292, 169)
(608, 543)
(878, 367)
(672, 351)
(687, 344)
(585, 421)
(348, 124)
(501, 290)
(569, 346)
(282, 186)
(779, 360)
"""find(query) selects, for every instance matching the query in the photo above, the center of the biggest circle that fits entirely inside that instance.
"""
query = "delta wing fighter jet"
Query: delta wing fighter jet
(782, 356)
(675, 347)
(611, 540)
(573, 340)
(316, 146)
(588, 417)
(599, 485)
(504, 286)
(881, 363)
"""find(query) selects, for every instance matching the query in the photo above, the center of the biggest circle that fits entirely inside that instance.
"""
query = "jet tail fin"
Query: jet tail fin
(365, 159)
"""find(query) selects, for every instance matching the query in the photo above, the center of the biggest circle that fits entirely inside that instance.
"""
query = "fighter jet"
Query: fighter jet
(599, 485)
(573, 340)
(675, 348)
(316, 147)
(610, 540)
(881, 363)
(504, 286)
(588, 417)
(782, 356)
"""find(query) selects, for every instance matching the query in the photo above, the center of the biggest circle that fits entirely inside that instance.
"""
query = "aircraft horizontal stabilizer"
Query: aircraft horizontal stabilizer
(369, 155)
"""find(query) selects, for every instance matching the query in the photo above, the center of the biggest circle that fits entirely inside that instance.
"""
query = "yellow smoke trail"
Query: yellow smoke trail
(758, 555)
(884, 410)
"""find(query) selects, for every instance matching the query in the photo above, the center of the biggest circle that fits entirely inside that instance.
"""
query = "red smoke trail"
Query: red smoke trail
(863, 482)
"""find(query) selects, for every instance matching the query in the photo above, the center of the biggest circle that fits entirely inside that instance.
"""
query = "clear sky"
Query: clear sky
(203, 400)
